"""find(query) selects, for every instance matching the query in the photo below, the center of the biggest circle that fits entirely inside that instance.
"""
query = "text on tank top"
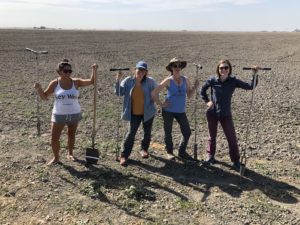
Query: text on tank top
(66, 101)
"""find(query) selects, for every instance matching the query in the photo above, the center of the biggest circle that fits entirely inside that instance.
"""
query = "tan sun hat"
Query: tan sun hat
(176, 60)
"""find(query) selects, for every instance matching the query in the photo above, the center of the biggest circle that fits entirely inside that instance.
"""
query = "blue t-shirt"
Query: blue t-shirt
(176, 96)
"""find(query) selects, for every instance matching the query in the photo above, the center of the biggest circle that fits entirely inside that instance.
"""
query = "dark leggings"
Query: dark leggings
(229, 131)
(130, 136)
(184, 127)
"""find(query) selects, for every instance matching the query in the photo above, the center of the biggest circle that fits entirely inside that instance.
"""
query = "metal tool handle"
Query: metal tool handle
(38, 123)
(117, 148)
(250, 68)
(198, 66)
(118, 124)
(244, 157)
(119, 69)
(35, 51)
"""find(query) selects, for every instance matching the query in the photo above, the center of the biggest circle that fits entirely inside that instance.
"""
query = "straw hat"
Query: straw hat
(176, 60)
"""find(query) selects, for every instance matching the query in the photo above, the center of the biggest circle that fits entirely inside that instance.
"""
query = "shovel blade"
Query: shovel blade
(92, 155)
(242, 169)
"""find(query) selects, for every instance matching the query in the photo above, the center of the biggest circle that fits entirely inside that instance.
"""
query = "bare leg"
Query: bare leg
(56, 130)
(71, 140)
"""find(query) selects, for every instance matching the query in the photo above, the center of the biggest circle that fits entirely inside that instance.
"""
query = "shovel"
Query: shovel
(92, 154)
(243, 157)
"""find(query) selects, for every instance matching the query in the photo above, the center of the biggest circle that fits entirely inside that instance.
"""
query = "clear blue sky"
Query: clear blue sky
(203, 15)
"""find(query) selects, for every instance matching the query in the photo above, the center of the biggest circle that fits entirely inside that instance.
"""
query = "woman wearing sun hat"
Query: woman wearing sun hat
(174, 107)
(138, 107)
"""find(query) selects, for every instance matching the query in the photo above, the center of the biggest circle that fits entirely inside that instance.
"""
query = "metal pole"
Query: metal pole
(243, 157)
(198, 66)
(118, 124)
(119, 112)
(195, 122)
(37, 53)
(38, 124)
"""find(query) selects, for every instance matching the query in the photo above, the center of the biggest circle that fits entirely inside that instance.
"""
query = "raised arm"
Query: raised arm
(245, 85)
(86, 82)
(120, 86)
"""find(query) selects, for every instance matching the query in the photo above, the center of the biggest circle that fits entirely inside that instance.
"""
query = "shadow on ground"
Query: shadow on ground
(103, 176)
(196, 175)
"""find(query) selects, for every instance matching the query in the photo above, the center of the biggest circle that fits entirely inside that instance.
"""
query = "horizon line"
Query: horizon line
(140, 30)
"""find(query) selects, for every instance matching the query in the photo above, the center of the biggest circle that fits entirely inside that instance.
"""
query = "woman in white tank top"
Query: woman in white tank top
(66, 110)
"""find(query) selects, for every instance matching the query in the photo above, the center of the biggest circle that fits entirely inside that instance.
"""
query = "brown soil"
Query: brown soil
(154, 190)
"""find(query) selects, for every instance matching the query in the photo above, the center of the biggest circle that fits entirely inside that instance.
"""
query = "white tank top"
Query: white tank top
(66, 101)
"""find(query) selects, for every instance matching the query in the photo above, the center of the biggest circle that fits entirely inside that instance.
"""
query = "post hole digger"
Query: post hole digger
(243, 159)
(117, 147)
(37, 54)
(92, 154)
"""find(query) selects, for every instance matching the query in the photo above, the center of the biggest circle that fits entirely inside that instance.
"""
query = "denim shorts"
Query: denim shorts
(66, 119)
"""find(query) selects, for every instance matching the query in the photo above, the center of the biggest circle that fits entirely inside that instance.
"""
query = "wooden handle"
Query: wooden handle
(94, 103)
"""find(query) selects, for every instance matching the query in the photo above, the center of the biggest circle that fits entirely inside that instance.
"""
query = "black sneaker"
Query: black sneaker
(185, 156)
(210, 160)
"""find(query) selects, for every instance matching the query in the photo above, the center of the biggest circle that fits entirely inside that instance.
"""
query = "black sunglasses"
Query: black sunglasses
(224, 67)
(176, 65)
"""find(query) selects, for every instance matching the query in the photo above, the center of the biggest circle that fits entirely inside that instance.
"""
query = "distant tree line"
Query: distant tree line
(44, 28)
(41, 28)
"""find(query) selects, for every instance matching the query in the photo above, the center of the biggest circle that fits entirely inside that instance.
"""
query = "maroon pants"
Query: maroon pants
(229, 131)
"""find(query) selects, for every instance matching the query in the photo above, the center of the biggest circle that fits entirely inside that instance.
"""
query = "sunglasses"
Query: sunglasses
(223, 67)
(176, 65)
(67, 71)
